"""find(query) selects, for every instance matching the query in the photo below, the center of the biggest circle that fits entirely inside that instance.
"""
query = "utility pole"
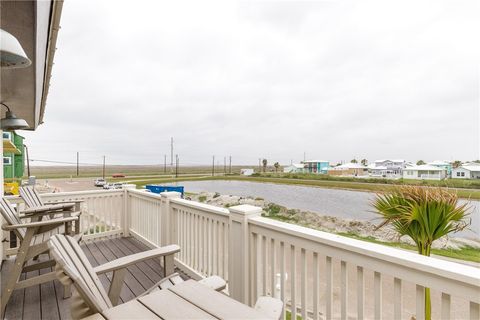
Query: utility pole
(77, 163)
(171, 154)
(213, 166)
(176, 165)
(304, 156)
(230, 166)
(259, 165)
(224, 165)
(103, 173)
(165, 164)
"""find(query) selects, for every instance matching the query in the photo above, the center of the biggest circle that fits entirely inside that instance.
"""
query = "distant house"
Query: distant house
(316, 166)
(13, 156)
(442, 164)
(246, 172)
(387, 168)
(295, 168)
(349, 169)
(467, 171)
(424, 172)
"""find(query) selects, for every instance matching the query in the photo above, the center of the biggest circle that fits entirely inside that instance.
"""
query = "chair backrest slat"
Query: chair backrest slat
(70, 256)
(10, 216)
(31, 196)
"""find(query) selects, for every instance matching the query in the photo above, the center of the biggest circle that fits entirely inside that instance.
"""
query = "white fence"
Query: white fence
(318, 275)
(103, 212)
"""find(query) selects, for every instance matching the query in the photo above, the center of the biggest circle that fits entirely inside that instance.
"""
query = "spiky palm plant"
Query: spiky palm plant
(425, 215)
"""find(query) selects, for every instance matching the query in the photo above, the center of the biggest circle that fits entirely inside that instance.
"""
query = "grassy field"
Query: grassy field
(448, 183)
(42, 172)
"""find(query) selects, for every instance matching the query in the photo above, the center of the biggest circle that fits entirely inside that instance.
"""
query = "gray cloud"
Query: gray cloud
(336, 79)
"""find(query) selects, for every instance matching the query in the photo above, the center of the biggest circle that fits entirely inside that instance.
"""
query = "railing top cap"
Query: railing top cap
(170, 194)
(245, 209)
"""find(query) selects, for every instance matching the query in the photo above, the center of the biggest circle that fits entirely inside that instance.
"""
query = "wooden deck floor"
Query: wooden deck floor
(46, 301)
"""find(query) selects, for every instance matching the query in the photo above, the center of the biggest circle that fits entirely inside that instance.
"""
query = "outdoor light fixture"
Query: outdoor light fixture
(12, 54)
(11, 122)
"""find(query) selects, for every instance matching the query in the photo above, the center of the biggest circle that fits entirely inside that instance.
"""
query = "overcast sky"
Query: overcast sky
(273, 79)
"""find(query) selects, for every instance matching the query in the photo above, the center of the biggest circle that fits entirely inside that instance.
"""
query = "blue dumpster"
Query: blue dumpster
(158, 189)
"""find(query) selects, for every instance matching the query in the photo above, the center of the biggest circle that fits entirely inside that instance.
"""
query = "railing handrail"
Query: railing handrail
(438, 267)
(80, 193)
(201, 206)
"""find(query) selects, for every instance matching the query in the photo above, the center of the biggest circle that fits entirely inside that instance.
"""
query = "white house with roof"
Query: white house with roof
(467, 171)
(295, 168)
(387, 168)
(349, 169)
(424, 172)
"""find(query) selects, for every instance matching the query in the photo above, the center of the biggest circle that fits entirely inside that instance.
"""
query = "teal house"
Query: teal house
(13, 156)
(443, 165)
(316, 166)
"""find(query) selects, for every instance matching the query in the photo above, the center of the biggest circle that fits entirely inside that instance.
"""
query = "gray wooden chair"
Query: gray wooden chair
(90, 296)
(34, 201)
(31, 235)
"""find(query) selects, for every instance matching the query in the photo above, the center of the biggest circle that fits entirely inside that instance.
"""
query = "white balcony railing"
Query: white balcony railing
(318, 275)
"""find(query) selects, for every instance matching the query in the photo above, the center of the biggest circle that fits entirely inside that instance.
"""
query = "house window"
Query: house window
(7, 135)
(458, 174)
(463, 174)
(7, 161)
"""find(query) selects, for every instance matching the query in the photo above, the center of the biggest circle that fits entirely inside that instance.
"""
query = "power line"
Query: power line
(66, 162)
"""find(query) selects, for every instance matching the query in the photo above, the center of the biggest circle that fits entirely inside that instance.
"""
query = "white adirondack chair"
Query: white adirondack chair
(34, 201)
(30, 235)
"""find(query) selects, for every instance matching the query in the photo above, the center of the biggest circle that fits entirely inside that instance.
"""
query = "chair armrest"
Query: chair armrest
(124, 262)
(45, 208)
(71, 202)
(58, 221)
(56, 214)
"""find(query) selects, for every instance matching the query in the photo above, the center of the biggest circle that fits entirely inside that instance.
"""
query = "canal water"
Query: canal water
(332, 202)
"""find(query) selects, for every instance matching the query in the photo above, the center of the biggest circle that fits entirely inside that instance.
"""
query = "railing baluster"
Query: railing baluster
(282, 277)
(210, 247)
(445, 306)
(420, 302)
(304, 283)
(343, 290)
(206, 245)
(264, 265)
(217, 246)
(214, 247)
(272, 266)
(196, 241)
(397, 298)
(316, 285)
(360, 293)
(293, 272)
(329, 288)
(474, 311)
(253, 268)
(203, 241)
(225, 250)
(377, 288)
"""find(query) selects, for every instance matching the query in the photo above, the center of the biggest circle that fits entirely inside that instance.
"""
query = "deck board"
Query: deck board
(46, 301)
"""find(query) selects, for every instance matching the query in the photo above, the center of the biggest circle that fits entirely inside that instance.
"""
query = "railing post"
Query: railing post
(239, 254)
(126, 214)
(166, 219)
